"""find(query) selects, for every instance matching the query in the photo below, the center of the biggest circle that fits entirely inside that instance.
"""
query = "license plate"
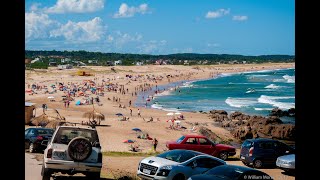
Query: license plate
(242, 157)
(60, 155)
(147, 171)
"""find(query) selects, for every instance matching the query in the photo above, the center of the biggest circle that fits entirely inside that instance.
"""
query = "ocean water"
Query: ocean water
(253, 93)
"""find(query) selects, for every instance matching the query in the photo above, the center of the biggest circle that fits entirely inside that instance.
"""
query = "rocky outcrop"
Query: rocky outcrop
(279, 113)
(244, 126)
(209, 134)
(218, 115)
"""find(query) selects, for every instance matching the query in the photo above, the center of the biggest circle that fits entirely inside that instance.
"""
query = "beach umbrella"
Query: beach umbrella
(119, 114)
(54, 123)
(136, 129)
(128, 141)
(44, 119)
(78, 102)
(94, 115)
(170, 114)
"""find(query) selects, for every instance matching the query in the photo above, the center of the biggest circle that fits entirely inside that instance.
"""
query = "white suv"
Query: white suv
(73, 150)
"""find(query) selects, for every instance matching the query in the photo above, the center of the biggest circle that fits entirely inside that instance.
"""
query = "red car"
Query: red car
(202, 144)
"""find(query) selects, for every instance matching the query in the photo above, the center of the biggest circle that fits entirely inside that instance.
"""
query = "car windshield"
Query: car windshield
(65, 135)
(180, 139)
(45, 131)
(178, 155)
(247, 144)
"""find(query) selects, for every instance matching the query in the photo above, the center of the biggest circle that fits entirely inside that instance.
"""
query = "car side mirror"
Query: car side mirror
(96, 144)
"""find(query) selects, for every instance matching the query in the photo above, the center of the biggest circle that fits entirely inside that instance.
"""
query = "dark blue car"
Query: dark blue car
(36, 139)
(231, 172)
(262, 152)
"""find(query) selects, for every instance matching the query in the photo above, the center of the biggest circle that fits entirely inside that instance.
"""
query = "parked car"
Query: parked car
(73, 150)
(231, 172)
(261, 151)
(36, 139)
(287, 163)
(202, 144)
(176, 164)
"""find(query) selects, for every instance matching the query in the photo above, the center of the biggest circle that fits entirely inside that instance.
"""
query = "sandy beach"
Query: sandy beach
(131, 79)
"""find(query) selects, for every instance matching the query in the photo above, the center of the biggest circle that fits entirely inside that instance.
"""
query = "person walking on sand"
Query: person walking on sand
(130, 112)
(155, 143)
(139, 115)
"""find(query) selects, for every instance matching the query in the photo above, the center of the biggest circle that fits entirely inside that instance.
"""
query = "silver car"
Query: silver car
(287, 162)
(176, 164)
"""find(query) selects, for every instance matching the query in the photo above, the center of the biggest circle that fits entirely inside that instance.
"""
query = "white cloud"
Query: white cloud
(34, 6)
(218, 13)
(77, 32)
(76, 6)
(240, 18)
(38, 25)
(125, 11)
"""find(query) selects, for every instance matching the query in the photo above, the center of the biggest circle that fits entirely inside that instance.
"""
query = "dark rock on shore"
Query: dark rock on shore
(279, 113)
(219, 115)
(244, 126)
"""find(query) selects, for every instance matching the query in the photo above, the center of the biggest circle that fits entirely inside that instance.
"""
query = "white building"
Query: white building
(119, 62)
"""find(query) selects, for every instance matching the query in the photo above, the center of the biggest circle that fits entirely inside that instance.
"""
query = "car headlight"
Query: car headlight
(164, 171)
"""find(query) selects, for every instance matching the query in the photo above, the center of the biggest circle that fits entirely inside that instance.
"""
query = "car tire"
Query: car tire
(31, 148)
(93, 175)
(79, 149)
(223, 155)
(178, 177)
(45, 173)
(257, 163)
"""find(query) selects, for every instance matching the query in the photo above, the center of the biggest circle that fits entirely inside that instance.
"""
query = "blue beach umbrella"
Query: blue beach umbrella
(119, 114)
(136, 129)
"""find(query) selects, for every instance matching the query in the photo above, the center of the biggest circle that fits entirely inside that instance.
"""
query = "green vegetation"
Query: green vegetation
(38, 65)
(128, 154)
(104, 59)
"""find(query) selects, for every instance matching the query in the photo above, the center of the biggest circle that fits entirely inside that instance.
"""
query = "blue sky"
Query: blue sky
(247, 27)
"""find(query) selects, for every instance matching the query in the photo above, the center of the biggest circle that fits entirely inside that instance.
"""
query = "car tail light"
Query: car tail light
(49, 153)
(251, 151)
(40, 138)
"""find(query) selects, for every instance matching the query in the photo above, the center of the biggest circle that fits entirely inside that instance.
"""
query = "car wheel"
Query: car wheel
(257, 163)
(45, 173)
(178, 177)
(223, 155)
(31, 148)
(79, 149)
(245, 163)
(93, 175)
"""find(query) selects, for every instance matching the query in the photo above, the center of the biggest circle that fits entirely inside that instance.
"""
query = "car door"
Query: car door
(191, 143)
(206, 146)
(267, 152)
(282, 149)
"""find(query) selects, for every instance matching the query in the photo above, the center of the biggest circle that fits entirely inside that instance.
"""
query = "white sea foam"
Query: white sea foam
(279, 80)
(243, 83)
(290, 79)
(187, 84)
(262, 109)
(257, 75)
(272, 100)
(240, 102)
(272, 86)
(156, 106)
(164, 93)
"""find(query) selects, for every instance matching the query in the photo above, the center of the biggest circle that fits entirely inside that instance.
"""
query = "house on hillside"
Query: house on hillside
(65, 66)
(139, 63)
(119, 62)
(93, 61)
(65, 60)
(29, 112)
(35, 60)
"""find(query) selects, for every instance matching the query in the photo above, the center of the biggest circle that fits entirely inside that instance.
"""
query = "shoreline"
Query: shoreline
(169, 88)
(121, 130)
